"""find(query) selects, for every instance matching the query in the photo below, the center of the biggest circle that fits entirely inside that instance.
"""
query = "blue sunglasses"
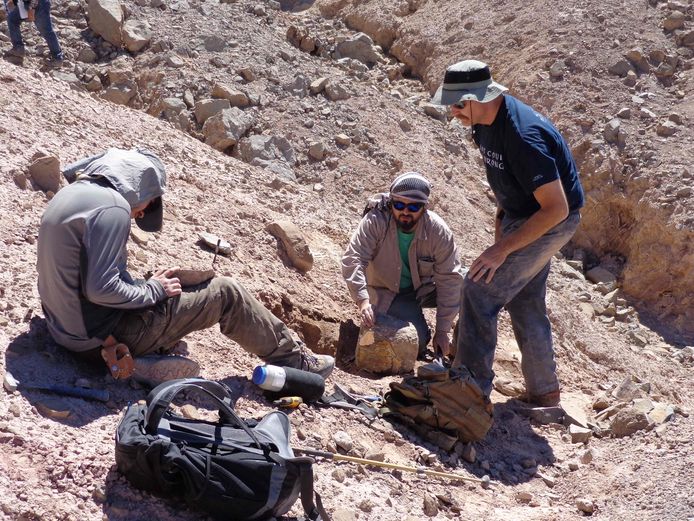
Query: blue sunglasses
(411, 207)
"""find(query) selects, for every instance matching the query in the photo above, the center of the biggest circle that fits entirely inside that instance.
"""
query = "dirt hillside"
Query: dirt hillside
(310, 130)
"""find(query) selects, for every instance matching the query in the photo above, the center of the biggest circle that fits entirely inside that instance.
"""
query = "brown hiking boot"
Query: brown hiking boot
(551, 399)
(15, 52)
(152, 370)
(318, 364)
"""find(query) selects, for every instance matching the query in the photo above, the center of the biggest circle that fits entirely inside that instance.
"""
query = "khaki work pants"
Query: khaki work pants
(221, 300)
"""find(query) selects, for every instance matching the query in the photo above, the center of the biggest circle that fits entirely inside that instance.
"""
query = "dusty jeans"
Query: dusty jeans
(221, 301)
(405, 306)
(519, 284)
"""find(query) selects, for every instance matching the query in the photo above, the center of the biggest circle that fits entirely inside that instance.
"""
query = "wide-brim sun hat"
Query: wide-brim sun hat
(467, 80)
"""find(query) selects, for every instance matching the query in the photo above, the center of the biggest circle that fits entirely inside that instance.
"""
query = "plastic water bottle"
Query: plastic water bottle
(287, 381)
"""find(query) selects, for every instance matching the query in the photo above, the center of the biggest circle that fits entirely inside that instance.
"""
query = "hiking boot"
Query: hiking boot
(152, 370)
(551, 399)
(15, 52)
(318, 364)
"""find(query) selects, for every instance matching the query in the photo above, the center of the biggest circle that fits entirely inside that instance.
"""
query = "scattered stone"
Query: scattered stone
(207, 108)
(643, 405)
(215, 243)
(543, 415)
(573, 465)
(235, 97)
(550, 481)
(140, 237)
(600, 275)
(366, 505)
(343, 440)
(524, 496)
(44, 171)
(226, 128)
(87, 55)
(339, 474)
(557, 70)
(630, 389)
(247, 74)
(579, 434)
(336, 91)
(587, 456)
(666, 129)
(390, 347)
(628, 421)
(136, 35)
(435, 111)
(661, 413)
(317, 86)
(272, 152)
(343, 140)
(621, 68)
(675, 20)
(614, 133)
(624, 113)
(430, 506)
(636, 57)
(359, 47)
(316, 151)
(469, 453)
(585, 505)
(294, 244)
(405, 125)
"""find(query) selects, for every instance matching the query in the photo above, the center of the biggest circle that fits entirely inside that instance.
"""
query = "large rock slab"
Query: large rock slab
(136, 35)
(44, 171)
(360, 47)
(207, 108)
(390, 347)
(293, 243)
(224, 129)
(106, 19)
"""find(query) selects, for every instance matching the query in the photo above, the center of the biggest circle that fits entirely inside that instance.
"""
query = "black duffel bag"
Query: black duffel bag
(227, 468)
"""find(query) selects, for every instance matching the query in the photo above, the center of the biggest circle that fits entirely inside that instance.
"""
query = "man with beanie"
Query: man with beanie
(95, 308)
(535, 180)
(402, 258)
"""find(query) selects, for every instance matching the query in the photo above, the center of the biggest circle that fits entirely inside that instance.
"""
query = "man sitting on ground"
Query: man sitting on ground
(94, 307)
(402, 258)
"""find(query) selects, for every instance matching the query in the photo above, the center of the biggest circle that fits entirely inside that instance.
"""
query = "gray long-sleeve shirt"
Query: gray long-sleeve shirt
(82, 257)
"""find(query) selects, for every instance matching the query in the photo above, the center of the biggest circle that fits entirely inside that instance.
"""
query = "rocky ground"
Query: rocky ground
(267, 112)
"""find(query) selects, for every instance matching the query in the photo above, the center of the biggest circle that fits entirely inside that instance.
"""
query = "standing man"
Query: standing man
(535, 181)
(39, 12)
(401, 259)
(95, 308)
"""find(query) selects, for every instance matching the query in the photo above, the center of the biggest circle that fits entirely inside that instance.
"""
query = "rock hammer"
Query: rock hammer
(11, 384)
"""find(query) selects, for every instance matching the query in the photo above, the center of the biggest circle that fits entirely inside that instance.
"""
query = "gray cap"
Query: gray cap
(467, 80)
(412, 186)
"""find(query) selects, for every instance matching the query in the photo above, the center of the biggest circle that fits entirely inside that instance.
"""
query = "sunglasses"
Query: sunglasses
(411, 207)
(460, 105)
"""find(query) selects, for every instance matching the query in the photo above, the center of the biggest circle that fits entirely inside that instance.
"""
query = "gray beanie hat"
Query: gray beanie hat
(411, 185)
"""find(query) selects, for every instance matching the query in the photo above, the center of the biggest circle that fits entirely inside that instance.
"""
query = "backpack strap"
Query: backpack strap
(313, 511)
(160, 398)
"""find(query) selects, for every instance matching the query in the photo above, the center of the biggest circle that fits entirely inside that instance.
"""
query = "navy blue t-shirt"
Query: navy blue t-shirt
(523, 151)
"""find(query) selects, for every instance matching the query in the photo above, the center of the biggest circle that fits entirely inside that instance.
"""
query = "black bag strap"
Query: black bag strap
(160, 398)
(314, 511)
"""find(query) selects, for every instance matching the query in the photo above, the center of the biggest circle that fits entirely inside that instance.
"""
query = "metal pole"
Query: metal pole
(485, 482)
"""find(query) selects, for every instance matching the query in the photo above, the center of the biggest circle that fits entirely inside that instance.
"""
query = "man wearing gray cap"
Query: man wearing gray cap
(535, 180)
(402, 258)
(95, 308)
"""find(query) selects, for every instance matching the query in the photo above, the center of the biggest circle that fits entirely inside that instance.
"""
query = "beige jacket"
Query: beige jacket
(371, 265)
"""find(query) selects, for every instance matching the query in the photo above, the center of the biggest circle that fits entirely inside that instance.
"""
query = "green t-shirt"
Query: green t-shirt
(404, 241)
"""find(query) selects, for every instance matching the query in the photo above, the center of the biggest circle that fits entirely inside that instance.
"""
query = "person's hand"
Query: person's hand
(442, 343)
(10, 5)
(366, 313)
(171, 284)
(486, 264)
(31, 16)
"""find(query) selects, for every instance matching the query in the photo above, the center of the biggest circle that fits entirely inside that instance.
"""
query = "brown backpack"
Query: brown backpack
(446, 399)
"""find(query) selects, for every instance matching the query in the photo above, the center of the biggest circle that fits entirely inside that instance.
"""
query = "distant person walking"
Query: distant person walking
(402, 258)
(535, 180)
(39, 12)
(94, 307)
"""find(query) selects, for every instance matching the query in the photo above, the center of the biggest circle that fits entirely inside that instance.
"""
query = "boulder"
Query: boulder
(293, 244)
(675, 20)
(225, 128)
(613, 133)
(44, 171)
(235, 97)
(106, 19)
(336, 91)
(628, 421)
(359, 47)
(599, 274)
(121, 94)
(207, 108)
(86, 55)
(136, 35)
(390, 347)
(272, 152)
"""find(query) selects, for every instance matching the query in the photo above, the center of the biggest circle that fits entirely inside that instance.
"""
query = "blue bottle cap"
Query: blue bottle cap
(259, 375)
